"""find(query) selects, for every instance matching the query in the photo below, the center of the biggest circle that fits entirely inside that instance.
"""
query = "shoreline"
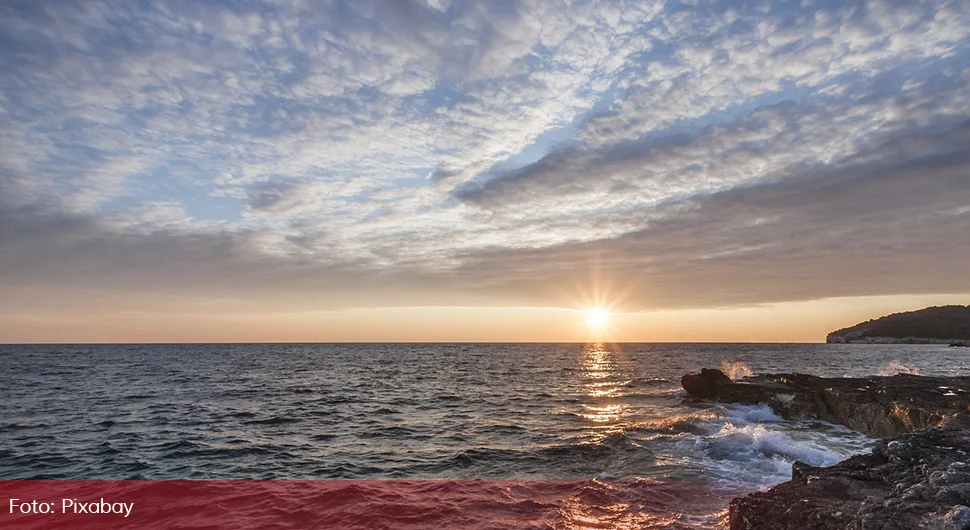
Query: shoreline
(917, 476)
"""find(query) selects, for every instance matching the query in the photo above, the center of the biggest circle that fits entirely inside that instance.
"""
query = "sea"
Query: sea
(502, 435)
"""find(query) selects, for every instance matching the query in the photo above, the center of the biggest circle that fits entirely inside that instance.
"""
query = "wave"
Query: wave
(502, 428)
(179, 445)
(751, 443)
(747, 414)
(651, 381)
(693, 423)
(614, 455)
(21, 426)
(185, 449)
(275, 420)
(897, 367)
(389, 432)
(708, 422)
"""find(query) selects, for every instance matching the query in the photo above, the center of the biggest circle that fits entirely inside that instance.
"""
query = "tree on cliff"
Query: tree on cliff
(940, 323)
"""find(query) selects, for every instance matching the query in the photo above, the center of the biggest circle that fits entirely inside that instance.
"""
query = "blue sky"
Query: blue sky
(701, 153)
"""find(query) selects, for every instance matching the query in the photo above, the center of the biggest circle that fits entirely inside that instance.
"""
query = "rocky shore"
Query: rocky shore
(918, 476)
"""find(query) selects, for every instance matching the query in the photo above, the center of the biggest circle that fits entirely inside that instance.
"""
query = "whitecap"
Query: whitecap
(897, 367)
(752, 444)
(746, 414)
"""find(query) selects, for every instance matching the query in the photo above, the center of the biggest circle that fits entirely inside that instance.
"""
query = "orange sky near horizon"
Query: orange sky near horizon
(806, 321)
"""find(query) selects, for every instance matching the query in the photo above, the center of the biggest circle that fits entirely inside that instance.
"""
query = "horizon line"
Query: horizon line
(395, 342)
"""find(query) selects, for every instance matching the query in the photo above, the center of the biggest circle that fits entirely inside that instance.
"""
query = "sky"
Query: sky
(454, 170)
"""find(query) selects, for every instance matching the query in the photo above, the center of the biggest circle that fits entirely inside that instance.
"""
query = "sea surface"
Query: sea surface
(557, 435)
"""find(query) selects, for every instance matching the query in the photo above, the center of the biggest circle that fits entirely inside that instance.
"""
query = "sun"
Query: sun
(597, 318)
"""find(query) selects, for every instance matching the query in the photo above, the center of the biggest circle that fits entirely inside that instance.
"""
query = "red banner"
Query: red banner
(345, 504)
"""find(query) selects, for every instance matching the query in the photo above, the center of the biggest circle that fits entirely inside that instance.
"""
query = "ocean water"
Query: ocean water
(595, 435)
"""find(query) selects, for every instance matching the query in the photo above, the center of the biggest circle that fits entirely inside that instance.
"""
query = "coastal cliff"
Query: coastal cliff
(919, 477)
(933, 325)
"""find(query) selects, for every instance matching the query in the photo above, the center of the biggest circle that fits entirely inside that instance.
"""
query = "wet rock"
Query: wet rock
(957, 519)
(919, 480)
(707, 384)
(918, 477)
(877, 406)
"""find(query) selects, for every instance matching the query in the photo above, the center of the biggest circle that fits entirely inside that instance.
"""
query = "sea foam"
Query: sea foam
(751, 443)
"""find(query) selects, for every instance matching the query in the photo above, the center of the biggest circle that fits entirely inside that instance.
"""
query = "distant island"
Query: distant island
(934, 325)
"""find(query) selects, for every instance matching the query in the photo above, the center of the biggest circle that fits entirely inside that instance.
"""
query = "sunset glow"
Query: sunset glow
(597, 318)
(455, 170)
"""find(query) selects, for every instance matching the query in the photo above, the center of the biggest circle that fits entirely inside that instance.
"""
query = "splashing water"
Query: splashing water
(751, 444)
(896, 367)
(736, 369)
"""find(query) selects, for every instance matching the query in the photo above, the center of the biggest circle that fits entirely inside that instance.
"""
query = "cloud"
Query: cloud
(382, 152)
(889, 225)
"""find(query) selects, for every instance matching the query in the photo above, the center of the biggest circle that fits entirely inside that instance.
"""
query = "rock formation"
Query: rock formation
(877, 406)
(918, 479)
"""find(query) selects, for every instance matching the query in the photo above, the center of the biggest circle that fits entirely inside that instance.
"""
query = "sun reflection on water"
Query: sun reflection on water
(602, 383)
(616, 514)
(611, 408)
(605, 414)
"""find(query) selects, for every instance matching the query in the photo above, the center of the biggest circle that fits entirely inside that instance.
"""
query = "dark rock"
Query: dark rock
(706, 384)
(877, 406)
(919, 480)
(957, 519)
